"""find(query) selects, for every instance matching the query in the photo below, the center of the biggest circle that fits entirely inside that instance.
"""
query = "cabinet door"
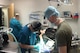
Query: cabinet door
(10, 11)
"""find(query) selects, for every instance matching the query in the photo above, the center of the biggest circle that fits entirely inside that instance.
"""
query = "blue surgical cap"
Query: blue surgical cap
(51, 11)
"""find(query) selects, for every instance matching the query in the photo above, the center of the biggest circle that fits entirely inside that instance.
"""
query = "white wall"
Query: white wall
(79, 17)
(4, 2)
(71, 8)
(25, 7)
(74, 24)
(5, 10)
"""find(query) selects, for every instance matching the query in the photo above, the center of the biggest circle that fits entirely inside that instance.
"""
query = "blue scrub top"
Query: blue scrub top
(27, 37)
(15, 24)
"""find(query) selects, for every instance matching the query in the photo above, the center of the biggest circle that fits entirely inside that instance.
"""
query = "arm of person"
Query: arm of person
(26, 46)
(62, 49)
(23, 40)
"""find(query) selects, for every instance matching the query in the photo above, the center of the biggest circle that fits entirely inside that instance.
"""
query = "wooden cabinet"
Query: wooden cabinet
(10, 11)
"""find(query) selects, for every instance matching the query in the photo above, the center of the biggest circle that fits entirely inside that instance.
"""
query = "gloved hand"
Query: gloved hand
(36, 47)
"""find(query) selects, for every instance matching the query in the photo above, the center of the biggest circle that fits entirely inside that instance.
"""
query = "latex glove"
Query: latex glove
(36, 47)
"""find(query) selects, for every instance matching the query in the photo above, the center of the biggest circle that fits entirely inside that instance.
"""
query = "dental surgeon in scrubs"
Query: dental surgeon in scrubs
(15, 25)
(28, 36)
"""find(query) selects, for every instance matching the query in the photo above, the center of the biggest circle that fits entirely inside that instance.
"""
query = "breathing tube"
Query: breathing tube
(9, 33)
